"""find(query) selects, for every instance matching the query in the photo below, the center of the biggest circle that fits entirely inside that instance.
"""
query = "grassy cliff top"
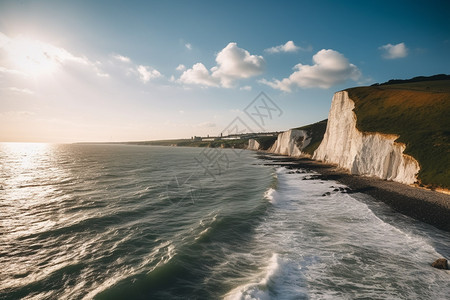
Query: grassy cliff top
(419, 112)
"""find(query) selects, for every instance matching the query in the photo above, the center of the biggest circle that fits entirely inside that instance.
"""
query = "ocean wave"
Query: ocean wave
(259, 288)
(271, 195)
(154, 271)
(205, 225)
(281, 170)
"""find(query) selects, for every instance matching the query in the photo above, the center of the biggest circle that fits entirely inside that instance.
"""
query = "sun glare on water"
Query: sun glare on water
(25, 155)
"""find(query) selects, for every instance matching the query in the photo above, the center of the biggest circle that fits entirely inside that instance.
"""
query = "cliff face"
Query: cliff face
(291, 143)
(253, 145)
(362, 153)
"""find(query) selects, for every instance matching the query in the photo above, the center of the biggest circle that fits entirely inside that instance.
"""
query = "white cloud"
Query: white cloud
(198, 74)
(22, 91)
(122, 58)
(32, 57)
(188, 46)
(98, 71)
(101, 74)
(236, 63)
(233, 63)
(11, 71)
(181, 67)
(246, 88)
(130, 68)
(330, 68)
(288, 47)
(394, 51)
(17, 115)
(147, 73)
(4, 39)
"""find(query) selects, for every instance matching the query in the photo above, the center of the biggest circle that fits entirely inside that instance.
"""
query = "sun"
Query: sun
(33, 57)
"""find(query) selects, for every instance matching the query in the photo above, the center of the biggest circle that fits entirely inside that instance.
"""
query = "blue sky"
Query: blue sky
(143, 70)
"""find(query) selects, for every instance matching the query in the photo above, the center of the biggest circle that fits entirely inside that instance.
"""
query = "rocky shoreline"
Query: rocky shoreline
(425, 205)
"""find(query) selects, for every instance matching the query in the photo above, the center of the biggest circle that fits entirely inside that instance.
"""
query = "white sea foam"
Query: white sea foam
(281, 170)
(202, 233)
(271, 195)
(205, 225)
(259, 287)
(332, 246)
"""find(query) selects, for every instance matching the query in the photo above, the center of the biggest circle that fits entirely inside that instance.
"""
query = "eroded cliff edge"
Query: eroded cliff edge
(399, 131)
(373, 154)
(291, 143)
(296, 142)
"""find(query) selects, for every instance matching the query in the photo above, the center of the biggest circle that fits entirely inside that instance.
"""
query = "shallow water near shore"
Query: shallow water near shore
(136, 222)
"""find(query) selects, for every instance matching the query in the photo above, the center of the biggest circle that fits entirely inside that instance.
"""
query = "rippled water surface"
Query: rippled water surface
(137, 222)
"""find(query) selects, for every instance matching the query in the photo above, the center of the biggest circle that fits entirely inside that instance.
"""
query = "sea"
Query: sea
(99, 221)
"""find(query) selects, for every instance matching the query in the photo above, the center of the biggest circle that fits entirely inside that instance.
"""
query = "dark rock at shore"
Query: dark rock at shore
(296, 171)
(342, 190)
(347, 190)
(312, 177)
(440, 263)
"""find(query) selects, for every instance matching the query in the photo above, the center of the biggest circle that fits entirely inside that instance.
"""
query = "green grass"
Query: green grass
(316, 130)
(419, 113)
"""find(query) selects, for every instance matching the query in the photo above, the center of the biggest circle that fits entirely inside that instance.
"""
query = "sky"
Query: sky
(107, 71)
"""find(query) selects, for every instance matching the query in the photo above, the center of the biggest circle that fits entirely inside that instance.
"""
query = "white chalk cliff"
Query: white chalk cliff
(291, 143)
(253, 144)
(372, 154)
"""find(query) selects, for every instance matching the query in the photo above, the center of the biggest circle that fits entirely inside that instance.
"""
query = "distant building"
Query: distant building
(210, 139)
(232, 137)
